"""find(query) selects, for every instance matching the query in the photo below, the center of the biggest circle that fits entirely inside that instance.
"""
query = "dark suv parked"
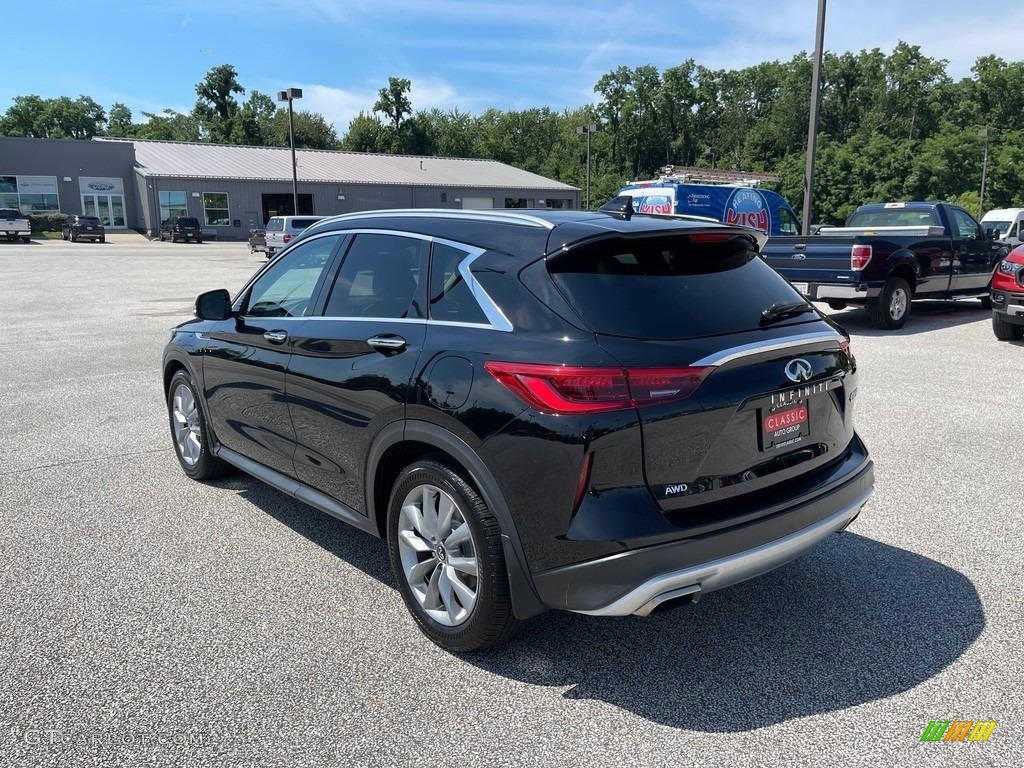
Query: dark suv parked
(557, 409)
(78, 227)
(181, 228)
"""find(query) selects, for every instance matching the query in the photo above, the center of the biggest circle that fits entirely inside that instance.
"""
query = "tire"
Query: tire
(189, 431)
(892, 308)
(837, 305)
(26, 239)
(199, 241)
(1004, 330)
(63, 235)
(174, 238)
(73, 237)
(161, 237)
(103, 238)
(986, 302)
(451, 572)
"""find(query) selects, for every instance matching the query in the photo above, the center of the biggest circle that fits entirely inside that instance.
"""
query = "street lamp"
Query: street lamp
(984, 133)
(289, 95)
(812, 123)
(588, 129)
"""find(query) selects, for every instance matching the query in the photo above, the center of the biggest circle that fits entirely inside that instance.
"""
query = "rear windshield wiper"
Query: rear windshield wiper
(783, 309)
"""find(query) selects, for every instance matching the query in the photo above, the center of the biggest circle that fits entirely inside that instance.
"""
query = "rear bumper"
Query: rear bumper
(830, 291)
(636, 581)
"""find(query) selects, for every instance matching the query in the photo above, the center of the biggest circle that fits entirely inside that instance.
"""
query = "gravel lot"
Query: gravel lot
(148, 619)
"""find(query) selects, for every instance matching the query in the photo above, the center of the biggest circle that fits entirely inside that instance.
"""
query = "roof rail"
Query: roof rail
(484, 214)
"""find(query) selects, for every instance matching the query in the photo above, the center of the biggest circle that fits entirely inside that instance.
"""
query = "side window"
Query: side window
(787, 223)
(450, 297)
(380, 277)
(964, 224)
(285, 289)
(1013, 230)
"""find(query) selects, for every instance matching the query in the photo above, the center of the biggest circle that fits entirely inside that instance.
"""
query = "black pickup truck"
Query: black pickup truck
(888, 254)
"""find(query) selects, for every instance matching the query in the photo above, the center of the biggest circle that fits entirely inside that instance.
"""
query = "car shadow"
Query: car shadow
(924, 316)
(851, 621)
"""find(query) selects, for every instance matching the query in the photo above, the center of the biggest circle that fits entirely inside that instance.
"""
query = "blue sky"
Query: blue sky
(465, 54)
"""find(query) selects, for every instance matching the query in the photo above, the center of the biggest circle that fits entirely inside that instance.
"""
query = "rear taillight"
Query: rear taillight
(286, 238)
(561, 389)
(860, 255)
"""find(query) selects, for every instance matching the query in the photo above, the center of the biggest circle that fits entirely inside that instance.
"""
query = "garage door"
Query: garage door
(477, 202)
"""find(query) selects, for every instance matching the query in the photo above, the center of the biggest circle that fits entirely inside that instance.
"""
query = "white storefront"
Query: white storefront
(103, 196)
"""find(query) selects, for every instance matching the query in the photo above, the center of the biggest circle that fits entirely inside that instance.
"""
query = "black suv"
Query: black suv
(554, 409)
(78, 227)
(181, 228)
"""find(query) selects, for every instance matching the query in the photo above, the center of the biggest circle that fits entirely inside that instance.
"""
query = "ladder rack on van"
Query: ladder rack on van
(690, 175)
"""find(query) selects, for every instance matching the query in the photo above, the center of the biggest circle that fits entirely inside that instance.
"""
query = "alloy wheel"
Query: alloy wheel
(187, 430)
(438, 554)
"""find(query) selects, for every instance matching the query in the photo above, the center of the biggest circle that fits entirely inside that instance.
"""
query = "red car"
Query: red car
(1007, 290)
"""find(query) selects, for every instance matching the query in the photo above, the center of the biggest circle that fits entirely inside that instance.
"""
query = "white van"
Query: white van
(281, 230)
(1009, 222)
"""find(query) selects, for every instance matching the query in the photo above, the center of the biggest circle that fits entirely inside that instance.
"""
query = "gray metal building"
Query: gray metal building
(137, 183)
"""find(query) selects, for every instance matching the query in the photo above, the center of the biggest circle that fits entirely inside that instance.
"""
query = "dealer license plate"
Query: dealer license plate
(784, 427)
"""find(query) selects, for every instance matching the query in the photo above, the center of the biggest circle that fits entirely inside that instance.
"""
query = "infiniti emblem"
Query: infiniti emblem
(798, 370)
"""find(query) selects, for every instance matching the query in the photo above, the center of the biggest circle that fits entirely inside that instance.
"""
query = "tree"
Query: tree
(119, 123)
(254, 123)
(365, 134)
(216, 110)
(393, 102)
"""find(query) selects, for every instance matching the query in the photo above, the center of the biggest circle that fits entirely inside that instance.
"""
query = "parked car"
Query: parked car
(1007, 293)
(889, 254)
(281, 230)
(14, 225)
(544, 410)
(181, 228)
(78, 227)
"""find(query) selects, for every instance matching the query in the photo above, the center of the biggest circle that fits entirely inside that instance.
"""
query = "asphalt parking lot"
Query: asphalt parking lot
(148, 619)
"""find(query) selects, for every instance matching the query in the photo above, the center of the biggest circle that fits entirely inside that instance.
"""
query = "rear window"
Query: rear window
(668, 287)
(187, 222)
(275, 225)
(88, 220)
(10, 213)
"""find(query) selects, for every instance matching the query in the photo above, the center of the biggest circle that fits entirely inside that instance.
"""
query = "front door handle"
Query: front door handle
(387, 343)
(276, 337)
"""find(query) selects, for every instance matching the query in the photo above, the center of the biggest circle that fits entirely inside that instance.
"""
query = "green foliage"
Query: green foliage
(46, 221)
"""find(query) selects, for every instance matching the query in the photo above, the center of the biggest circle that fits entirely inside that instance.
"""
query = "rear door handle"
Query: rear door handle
(276, 337)
(387, 343)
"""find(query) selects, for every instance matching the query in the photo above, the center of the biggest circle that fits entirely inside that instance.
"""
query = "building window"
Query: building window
(215, 206)
(172, 205)
(29, 194)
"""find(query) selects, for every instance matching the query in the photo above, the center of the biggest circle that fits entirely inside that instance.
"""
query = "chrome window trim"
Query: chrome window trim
(756, 348)
(491, 310)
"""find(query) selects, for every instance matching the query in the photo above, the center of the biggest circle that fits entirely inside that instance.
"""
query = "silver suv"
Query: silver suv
(281, 230)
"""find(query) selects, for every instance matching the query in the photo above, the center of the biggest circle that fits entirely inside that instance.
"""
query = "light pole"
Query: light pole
(588, 129)
(812, 123)
(984, 133)
(711, 152)
(289, 95)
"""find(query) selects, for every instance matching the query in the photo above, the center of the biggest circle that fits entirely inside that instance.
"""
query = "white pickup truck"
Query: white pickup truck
(14, 225)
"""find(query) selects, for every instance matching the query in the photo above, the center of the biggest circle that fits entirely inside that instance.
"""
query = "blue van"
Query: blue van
(746, 206)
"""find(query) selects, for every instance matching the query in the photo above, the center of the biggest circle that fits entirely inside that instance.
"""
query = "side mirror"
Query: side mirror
(213, 305)
(992, 233)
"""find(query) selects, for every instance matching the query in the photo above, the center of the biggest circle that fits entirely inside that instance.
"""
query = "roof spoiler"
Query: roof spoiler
(620, 207)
